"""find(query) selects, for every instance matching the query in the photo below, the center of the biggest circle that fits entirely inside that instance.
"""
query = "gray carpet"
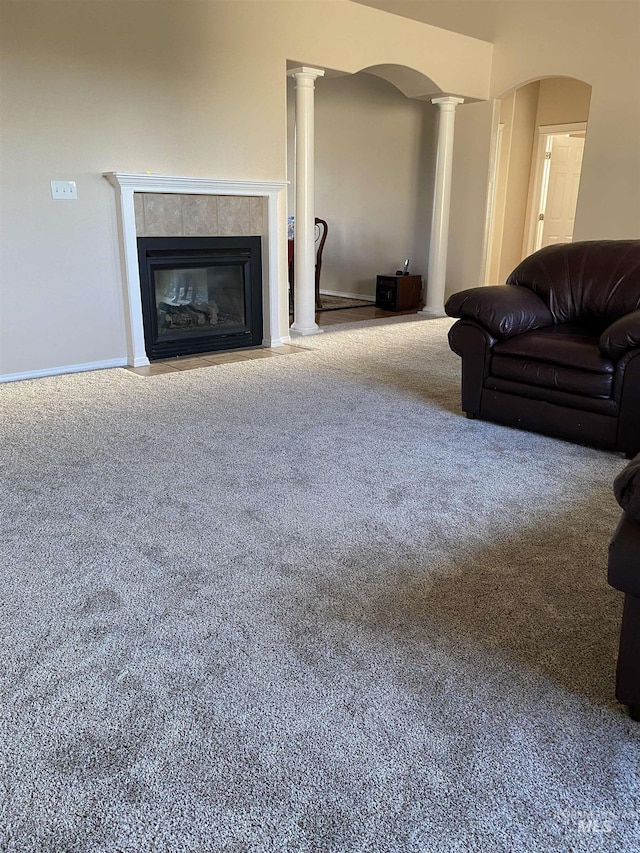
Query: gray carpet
(302, 604)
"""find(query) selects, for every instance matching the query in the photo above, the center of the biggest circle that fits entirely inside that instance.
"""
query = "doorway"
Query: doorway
(539, 138)
(554, 191)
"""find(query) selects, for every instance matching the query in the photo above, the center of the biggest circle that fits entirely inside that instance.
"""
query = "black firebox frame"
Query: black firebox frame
(161, 253)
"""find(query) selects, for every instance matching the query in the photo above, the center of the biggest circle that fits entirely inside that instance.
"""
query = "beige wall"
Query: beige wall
(178, 88)
(597, 44)
(374, 166)
(198, 88)
(563, 101)
(594, 42)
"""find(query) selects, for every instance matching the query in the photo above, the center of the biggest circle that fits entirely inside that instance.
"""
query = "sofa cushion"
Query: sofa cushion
(554, 396)
(567, 346)
(626, 488)
(552, 376)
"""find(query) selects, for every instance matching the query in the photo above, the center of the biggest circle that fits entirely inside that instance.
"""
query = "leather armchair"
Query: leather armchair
(557, 348)
(624, 574)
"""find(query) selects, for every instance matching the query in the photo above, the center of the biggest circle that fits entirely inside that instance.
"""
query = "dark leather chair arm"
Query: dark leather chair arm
(473, 344)
(504, 310)
(626, 488)
(621, 336)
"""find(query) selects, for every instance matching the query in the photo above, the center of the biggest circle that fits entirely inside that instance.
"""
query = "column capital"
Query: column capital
(305, 73)
(447, 102)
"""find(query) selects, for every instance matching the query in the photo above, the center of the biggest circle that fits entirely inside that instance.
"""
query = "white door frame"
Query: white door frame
(540, 183)
(494, 161)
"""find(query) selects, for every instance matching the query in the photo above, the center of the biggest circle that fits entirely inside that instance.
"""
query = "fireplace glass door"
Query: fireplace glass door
(191, 300)
(200, 298)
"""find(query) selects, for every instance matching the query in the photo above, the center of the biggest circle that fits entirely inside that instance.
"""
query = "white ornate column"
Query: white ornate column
(304, 298)
(441, 205)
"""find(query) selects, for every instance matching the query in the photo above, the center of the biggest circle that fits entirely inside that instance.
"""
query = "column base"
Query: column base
(432, 312)
(302, 331)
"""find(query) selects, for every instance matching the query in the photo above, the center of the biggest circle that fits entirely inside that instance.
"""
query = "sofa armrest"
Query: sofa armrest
(473, 343)
(626, 488)
(504, 310)
(622, 568)
(621, 336)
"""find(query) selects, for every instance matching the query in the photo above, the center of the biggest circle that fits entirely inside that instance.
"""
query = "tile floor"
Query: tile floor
(324, 318)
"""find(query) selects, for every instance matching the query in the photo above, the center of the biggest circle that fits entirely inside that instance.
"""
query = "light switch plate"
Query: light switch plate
(64, 189)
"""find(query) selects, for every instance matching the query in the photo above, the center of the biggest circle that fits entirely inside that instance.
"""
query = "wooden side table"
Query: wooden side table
(398, 292)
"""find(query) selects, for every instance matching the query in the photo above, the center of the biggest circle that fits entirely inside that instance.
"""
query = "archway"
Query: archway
(534, 122)
(374, 157)
(375, 162)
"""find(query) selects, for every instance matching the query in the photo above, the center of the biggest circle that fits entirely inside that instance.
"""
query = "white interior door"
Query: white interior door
(562, 191)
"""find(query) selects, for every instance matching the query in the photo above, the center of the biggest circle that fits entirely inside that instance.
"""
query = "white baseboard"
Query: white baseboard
(276, 342)
(348, 295)
(69, 368)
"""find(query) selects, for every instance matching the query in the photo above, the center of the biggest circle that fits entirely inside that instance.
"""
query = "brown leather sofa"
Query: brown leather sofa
(557, 348)
(624, 574)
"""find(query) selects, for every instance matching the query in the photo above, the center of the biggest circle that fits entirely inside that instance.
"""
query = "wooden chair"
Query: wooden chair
(321, 230)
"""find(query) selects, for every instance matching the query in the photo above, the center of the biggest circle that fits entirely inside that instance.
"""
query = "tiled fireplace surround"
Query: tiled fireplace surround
(177, 215)
(160, 206)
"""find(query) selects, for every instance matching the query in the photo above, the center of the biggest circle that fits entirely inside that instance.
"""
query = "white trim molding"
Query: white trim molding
(69, 368)
(274, 250)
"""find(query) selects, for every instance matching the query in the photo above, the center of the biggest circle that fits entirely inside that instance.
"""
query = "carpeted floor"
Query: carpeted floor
(303, 604)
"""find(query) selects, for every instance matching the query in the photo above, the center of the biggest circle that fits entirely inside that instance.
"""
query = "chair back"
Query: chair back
(589, 281)
(321, 230)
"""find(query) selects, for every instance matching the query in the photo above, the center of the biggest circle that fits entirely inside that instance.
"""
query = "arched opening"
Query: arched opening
(374, 164)
(540, 132)
(412, 83)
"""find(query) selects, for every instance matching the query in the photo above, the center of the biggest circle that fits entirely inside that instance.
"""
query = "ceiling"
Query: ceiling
(481, 19)
(476, 18)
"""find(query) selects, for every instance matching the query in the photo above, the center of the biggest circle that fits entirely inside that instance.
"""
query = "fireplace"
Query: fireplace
(200, 294)
(151, 205)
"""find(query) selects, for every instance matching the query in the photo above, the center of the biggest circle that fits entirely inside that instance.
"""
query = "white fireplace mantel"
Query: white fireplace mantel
(274, 268)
